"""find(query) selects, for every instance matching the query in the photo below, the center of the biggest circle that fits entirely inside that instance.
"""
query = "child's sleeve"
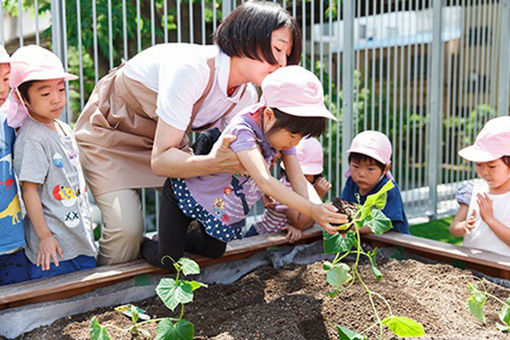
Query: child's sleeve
(394, 210)
(347, 192)
(245, 140)
(30, 162)
(463, 193)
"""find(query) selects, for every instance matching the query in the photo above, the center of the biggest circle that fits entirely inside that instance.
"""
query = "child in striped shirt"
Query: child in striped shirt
(278, 217)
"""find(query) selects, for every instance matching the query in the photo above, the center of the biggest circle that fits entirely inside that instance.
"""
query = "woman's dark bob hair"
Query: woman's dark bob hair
(303, 126)
(246, 32)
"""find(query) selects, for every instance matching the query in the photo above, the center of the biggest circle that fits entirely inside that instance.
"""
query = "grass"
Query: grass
(435, 230)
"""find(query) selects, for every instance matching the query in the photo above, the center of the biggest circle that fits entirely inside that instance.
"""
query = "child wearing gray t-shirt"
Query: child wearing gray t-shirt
(58, 230)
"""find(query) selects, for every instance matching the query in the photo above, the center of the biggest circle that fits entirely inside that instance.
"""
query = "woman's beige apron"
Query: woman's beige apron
(115, 133)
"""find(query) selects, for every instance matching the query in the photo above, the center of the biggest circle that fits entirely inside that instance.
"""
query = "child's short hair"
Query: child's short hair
(506, 160)
(304, 126)
(23, 89)
(359, 157)
(246, 32)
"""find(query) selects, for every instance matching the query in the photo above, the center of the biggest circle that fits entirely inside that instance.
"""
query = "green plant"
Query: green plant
(341, 276)
(173, 292)
(476, 302)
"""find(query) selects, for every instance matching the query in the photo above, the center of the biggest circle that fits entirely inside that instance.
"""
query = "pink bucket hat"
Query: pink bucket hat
(4, 56)
(492, 143)
(29, 63)
(295, 91)
(374, 144)
(310, 156)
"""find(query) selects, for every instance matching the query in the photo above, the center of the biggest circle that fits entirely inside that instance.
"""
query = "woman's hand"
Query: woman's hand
(48, 250)
(326, 214)
(225, 158)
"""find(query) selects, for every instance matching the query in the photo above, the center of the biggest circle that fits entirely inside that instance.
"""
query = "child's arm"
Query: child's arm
(300, 221)
(48, 245)
(487, 214)
(323, 214)
(462, 224)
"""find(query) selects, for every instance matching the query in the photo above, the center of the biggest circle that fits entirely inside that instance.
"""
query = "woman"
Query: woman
(132, 132)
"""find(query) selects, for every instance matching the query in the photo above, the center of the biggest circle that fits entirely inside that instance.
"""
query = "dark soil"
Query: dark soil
(345, 208)
(289, 303)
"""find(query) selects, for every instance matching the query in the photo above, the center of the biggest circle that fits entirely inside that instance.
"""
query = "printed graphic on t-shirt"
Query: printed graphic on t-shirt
(58, 160)
(12, 210)
(72, 219)
(7, 158)
(64, 195)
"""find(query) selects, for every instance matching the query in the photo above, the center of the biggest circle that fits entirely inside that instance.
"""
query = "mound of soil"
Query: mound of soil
(289, 303)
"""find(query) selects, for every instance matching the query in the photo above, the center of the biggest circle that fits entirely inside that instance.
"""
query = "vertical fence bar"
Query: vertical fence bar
(124, 29)
(330, 100)
(214, 15)
(226, 7)
(179, 24)
(435, 112)
(203, 21)
(56, 28)
(153, 24)
(36, 8)
(20, 23)
(303, 31)
(401, 109)
(347, 72)
(94, 32)
(191, 28)
(138, 28)
(2, 34)
(504, 60)
(80, 53)
(338, 109)
(110, 34)
(165, 19)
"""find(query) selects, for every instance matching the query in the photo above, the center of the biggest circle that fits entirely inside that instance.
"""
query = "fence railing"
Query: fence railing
(426, 73)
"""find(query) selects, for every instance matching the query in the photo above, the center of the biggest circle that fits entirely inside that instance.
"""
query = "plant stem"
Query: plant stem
(154, 320)
(182, 311)
(385, 301)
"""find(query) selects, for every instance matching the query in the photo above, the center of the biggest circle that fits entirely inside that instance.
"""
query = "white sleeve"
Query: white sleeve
(249, 97)
(180, 86)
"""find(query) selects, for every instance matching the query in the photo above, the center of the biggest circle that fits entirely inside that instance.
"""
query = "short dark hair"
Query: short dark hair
(304, 126)
(246, 32)
(359, 157)
(506, 160)
(23, 89)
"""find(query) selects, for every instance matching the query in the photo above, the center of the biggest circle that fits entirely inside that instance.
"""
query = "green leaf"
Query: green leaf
(380, 223)
(333, 293)
(338, 243)
(188, 266)
(339, 275)
(404, 326)
(327, 265)
(502, 328)
(371, 256)
(504, 313)
(98, 332)
(174, 293)
(195, 284)
(134, 314)
(475, 304)
(348, 334)
(181, 330)
(378, 200)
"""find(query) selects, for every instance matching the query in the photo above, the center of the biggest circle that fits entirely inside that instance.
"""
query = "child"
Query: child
(369, 171)
(278, 217)
(486, 223)
(14, 265)
(291, 107)
(58, 227)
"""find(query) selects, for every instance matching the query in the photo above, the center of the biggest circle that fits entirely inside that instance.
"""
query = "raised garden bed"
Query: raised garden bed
(289, 303)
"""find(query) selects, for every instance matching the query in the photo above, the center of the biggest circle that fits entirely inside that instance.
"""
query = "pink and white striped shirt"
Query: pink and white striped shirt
(274, 219)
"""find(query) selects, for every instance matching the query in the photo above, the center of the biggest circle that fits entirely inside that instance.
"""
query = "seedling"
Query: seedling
(173, 292)
(476, 302)
(341, 276)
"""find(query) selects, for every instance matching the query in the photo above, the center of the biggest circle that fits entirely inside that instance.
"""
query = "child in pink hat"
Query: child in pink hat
(59, 232)
(5, 70)
(485, 224)
(291, 107)
(14, 265)
(369, 170)
(278, 217)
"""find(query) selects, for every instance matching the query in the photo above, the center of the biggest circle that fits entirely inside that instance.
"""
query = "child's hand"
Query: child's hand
(293, 234)
(326, 214)
(486, 210)
(468, 225)
(48, 250)
(268, 201)
(322, 186)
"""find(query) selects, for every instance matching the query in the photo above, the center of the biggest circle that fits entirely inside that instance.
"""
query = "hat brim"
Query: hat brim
(48, 75)
(308, 111)
(308, 169)
(474, 154)
(5, 60)
(367, 152)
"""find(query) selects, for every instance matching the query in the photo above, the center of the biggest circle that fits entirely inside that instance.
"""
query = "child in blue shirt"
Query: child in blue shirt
(369, 171)
(14, 265)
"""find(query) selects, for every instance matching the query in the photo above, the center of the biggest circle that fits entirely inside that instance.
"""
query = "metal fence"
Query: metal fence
(426, 73)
